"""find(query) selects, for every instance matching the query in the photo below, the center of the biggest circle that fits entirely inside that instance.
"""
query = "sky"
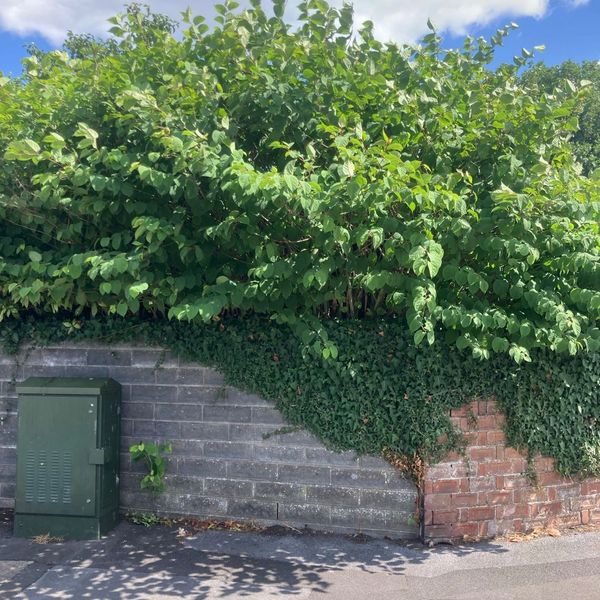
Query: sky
(570, 29)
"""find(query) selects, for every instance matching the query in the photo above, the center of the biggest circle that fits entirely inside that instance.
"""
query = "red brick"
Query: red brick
(482, 484)
(473, 408)
(483, 529)
(517, 525)
(542, 463)
(571, 520)
(495, 468)
(513, 511)
(594, 515)
(438, 501)
(516, 482)
(518, 466)
(453, 457)
(475, 438)
(458, 470)
(446, 486)
(512, 453)
(521, 510)
(589, 502)
(443, 517)
(440, 471)
(436, 532)
(495, 437)
(488, 422)
(493, 495)
(528, 495)
(564, 492)
(495, 498)
(590, 487)
(481, 453)
(544, 509)
(469, 499)
(470, 530)
(550, 478)
(481, 513)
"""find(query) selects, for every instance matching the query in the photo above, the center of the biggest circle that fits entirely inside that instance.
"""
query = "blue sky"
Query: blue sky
(570, 29)
(568, 32)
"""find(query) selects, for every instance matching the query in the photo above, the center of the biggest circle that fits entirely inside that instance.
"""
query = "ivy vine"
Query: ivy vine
(382, 395)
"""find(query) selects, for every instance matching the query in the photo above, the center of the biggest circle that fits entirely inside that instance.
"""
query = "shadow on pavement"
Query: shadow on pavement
(135, 562)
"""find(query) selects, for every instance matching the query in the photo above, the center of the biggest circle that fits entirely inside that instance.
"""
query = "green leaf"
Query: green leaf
(23, 150)
(137, 289)
(348, 169)
(89, 136)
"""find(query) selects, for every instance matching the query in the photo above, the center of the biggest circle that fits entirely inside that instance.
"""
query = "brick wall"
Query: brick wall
(221, 465)
(488, 492)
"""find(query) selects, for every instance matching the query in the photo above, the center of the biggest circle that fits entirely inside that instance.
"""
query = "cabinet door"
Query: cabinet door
(55, 436)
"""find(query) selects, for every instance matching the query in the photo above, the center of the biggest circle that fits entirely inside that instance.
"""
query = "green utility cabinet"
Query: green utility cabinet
(67, 457)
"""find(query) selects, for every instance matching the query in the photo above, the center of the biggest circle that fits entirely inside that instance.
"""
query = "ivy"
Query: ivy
(382, 395)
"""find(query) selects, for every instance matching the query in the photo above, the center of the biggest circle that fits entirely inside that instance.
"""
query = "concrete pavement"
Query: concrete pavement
(134, 562)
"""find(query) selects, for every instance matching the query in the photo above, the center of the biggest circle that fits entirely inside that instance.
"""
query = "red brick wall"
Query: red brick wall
(487, 492)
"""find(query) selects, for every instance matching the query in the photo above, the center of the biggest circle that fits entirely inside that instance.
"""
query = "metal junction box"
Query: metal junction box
(67, 457)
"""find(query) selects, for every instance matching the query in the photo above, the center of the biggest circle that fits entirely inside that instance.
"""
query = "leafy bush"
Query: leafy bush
(301, 173)
(586, 140)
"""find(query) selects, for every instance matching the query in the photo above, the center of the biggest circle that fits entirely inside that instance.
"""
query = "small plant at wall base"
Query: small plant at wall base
(152, 455)
(144, 518)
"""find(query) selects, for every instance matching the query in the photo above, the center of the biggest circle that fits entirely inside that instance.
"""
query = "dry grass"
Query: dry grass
(534, 534)
(46, 538)
(220, 525)
(549, 531)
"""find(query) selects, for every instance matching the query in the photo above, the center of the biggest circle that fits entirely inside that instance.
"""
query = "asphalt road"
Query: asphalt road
(134, 562)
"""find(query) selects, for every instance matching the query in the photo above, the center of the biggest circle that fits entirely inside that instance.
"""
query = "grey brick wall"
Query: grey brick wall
(222, 465)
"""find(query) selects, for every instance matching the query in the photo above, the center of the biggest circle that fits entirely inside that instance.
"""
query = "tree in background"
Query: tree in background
(586, 139)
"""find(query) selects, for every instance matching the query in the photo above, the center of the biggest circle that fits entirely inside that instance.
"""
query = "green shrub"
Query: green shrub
(586, 140)
(304, 174)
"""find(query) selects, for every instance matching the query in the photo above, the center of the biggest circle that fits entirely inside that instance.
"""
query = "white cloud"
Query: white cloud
(405, 20)
(400, 20)
(53, 18)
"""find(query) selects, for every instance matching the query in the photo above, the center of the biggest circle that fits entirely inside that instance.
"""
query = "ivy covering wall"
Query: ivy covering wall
(382, 395)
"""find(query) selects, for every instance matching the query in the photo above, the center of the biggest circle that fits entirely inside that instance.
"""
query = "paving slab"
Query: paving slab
(10, 568)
